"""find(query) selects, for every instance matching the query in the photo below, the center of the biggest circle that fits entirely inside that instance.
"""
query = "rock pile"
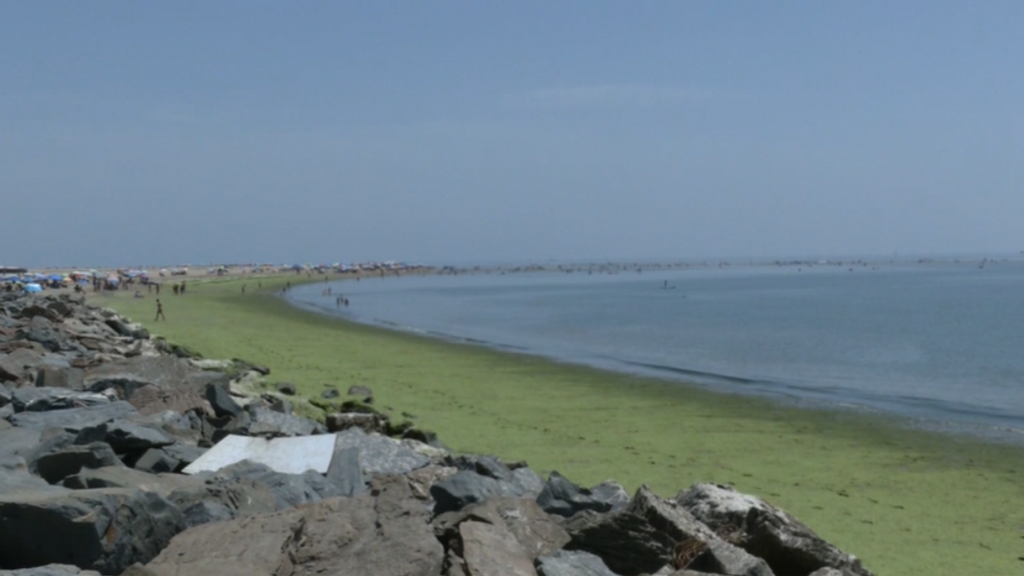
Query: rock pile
(122, 454)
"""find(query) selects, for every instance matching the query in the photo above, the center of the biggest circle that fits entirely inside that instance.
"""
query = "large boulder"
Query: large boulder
(572, 563)
(467, 487)
(380, 455)
(652, 533)
(41, 399)
(536, 532)
(489, 549)
(74, 419)
(562, 497)
(382, 532)
(104, 530)
(63, 462)
(785, 543)
(288, 489)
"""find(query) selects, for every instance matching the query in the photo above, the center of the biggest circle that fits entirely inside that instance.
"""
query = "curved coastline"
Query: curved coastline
(919, 412)
(908, 502)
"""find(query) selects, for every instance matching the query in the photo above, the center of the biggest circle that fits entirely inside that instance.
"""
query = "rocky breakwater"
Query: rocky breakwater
(122, 454)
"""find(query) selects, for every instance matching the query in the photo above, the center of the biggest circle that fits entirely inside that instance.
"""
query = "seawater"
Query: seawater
(939, 344)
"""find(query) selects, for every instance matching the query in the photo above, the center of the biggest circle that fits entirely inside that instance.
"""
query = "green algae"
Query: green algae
(907, 502)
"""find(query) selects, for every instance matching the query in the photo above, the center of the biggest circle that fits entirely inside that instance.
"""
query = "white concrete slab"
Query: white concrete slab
(287, 455)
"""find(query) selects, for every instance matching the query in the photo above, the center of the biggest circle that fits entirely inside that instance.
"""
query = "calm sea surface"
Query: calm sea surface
(940, 344)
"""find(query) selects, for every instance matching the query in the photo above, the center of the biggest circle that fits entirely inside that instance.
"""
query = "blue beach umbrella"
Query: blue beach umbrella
(33, 287)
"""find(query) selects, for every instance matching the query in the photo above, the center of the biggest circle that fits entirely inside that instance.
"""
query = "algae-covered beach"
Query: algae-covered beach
(906, 502)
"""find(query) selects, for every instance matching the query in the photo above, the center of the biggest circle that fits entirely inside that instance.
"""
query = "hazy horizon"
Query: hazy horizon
(443, 132)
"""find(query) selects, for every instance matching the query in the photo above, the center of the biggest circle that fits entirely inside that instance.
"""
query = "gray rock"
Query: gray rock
(361, 393)
(18, 441)
(59, 464)
(124, 436)
(122, 477)
(41, 399)
(562, 497)
(378, 533)
(103, 530)
(466, 487)
(536, 532)
(345, 472)
(184, 453)
(61, 377)
(643, 537)
(73, 419)
(270, 423)
(221, 401)
(156, 460)
(490, 549)
(222, 499)
(15, 478)
(379, 454)
(572, 563)
(720, 557)
(330, 393)
(288, 489)
(287, 389)
(785, 543)
(50, 570)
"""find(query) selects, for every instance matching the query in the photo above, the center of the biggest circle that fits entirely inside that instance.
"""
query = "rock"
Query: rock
(156, 460)
(15, 478)
(361, 393)
(786, 544)
(184, 453)
(572, 563)
(289, 490)
(16, 441)
(489, 549)
(345, 472)
(379, 454)
(466, 487)
(61, 377)
(287, 389)
(643, 537)
(124, 436)
(378, 533)
(41, 399)
(122, 477)
(330, 393)
(367, 422)
(221, 401)
(720, 557)
(269, 423)
(59, 464)
(536, 532)
(103, 530)
(73, 419)
(222, 499)
(421, 479)
(562, 497)
(50, 570)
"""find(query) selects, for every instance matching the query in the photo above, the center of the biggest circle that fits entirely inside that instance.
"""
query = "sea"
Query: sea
(939, 345)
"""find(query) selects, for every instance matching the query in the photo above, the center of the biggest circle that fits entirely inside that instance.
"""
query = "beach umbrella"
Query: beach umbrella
(33, 287)
(56, 277)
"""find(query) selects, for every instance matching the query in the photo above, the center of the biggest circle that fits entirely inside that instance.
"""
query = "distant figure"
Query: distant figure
(243, 288)
(157, 289)
(159, 311)
(337, 302)
(182, 289)
(328, 291)
(174, 288)
(138, 294)
(259, 284)
(345, 300)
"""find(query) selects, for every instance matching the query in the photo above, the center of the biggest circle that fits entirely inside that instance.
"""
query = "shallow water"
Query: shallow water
(937, 343)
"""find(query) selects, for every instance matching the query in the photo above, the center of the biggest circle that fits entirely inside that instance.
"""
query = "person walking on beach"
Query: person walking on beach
(159, 311)
(243, 288)
(182, 289)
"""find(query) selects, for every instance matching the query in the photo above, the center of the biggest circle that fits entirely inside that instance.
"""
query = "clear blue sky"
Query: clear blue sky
(195, 132)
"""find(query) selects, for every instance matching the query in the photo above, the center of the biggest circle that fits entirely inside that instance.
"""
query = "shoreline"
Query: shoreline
(912, 413)
(909, 502)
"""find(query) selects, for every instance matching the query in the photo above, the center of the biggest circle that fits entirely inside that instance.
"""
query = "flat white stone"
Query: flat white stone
(286, 455)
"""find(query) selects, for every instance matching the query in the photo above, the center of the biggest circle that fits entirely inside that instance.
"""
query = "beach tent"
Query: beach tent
(33, 287)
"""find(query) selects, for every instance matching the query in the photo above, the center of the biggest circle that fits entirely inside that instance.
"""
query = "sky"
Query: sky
(195, 132)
